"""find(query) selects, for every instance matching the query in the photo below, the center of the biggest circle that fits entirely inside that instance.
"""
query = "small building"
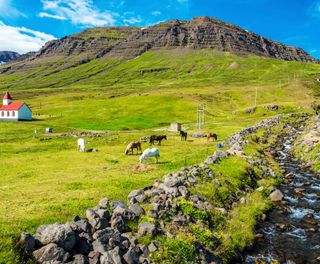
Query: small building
(49, 130)
(175, 127)
(14, 111)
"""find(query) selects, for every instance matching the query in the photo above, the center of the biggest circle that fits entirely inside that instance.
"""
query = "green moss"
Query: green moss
(204, 235)
(179, 249)
(189, 209)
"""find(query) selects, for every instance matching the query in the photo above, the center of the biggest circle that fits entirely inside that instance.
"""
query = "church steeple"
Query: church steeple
(7, 99)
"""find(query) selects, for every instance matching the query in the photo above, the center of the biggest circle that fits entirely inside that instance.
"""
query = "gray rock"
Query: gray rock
(169, 190)
(146, 228)
(183, 191)
(104, 203)
(276, 196)
(132, 255)
(136, 209)
(117, 222)
(80, 226)
(129, 236)
(51, 252)
(125, 213)
(60, 234)
(152, 247)
(115, 204)
(94, 257)
(111, 257)
(217, 156)
(136, 196)
(103, 238)
(173, 180)
(27, 242)
(79, 259)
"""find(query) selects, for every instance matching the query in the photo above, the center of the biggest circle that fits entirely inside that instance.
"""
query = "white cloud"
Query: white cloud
(79, 12)
(133, 20)
(8, 10)
(44, 14)
(156, 13)
(21, 39)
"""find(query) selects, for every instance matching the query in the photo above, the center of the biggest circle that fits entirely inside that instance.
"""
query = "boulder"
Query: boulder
(79, 259)
(80, 226)
(173, 180)
(276, 196)
(136, 196)
(94, 257)
(136, 209)
(183, 191)
(146, 228)
(50, 253)
(27, 242)
(217, 156)
(117, 222)
(104, 203)
(132, 255)
(111, 257)
(115, 204)
(106, 239)
(62, 235)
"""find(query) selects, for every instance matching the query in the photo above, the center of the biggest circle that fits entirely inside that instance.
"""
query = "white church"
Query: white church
(14, 111)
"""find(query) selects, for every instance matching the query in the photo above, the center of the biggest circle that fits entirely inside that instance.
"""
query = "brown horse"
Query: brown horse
(133, 145)
(157, 138)
(183, 135)
(212, 135)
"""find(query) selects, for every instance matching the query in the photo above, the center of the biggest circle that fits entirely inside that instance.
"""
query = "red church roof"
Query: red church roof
(13, 106)
(7, 96)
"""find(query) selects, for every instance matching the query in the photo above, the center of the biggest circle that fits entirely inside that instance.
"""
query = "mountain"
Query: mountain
(199, 33)
(100, 55)
(6, 56)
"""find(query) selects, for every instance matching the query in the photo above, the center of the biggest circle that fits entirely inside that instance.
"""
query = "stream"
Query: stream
(291, 231)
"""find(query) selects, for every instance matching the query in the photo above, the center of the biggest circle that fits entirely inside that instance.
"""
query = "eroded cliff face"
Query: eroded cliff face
(199, 33)
(206, 33)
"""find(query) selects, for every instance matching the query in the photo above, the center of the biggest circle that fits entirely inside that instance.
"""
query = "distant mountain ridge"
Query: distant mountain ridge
(6, 56)
(198, 33)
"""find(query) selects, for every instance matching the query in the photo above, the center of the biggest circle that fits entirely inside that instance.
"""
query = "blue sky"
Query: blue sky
(25, 25)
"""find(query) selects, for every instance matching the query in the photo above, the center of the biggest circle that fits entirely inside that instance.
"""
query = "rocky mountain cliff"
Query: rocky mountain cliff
(6, 56)
(199, 33)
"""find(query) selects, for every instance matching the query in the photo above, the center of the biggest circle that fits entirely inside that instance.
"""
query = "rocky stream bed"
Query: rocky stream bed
(290, 233)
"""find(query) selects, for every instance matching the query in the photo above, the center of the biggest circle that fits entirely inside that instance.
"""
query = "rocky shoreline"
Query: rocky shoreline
(116, 232)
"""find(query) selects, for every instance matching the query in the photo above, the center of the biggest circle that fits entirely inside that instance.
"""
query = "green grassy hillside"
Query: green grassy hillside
(47, 181)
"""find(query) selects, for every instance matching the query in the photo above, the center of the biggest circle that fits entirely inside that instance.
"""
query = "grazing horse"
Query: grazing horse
(212, 135)
(81, 145)
(133, 145)
(154, 152)
(183, 135)
(157, 138)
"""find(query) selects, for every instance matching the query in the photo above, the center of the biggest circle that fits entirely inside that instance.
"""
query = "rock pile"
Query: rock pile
(104, 235)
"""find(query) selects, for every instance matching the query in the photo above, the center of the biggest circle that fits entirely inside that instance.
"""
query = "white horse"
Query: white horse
(154, 152)
(81, 145)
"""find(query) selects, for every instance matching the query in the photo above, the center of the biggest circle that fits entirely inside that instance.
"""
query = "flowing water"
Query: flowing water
(291, 232)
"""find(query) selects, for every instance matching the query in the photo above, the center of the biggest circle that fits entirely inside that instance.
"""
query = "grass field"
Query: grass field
(48, 181)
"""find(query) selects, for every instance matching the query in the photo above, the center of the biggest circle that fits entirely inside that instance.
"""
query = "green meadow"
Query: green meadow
(46, 180)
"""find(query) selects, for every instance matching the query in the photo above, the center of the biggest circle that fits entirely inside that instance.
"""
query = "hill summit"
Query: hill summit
(199, 33)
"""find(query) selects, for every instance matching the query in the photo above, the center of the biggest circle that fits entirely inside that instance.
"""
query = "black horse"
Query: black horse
(157, 138)
(184, 135)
